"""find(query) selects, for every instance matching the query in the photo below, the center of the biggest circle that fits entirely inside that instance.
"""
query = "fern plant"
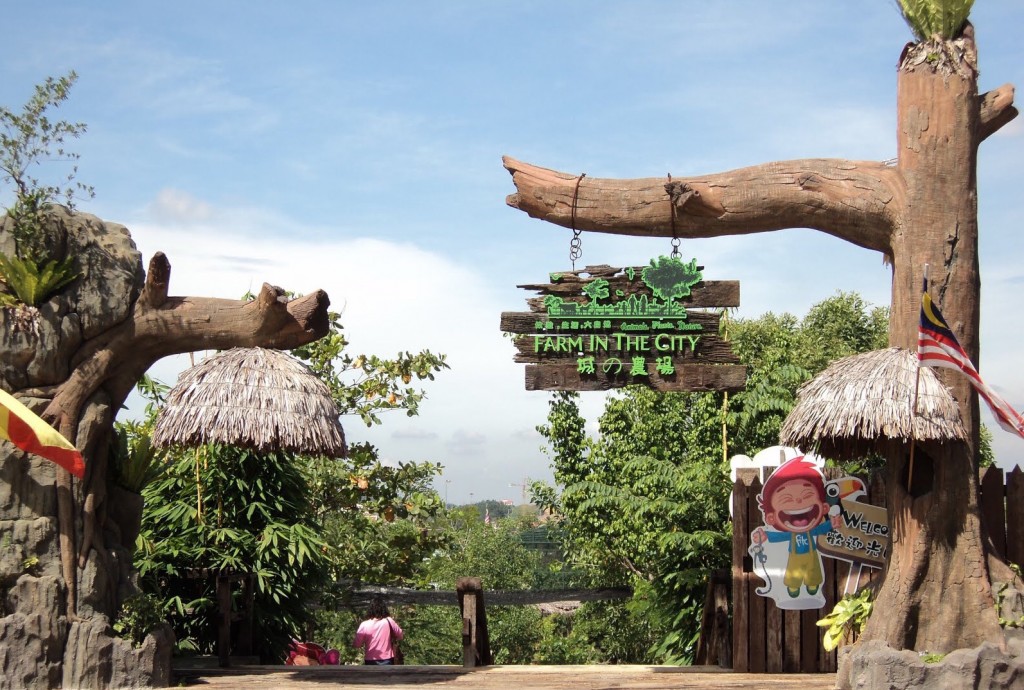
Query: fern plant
(135, 461)
(33, 283)
(941, 19)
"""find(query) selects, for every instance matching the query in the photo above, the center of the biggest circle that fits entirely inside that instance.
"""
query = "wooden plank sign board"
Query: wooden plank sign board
(604, 327)
(862, 537)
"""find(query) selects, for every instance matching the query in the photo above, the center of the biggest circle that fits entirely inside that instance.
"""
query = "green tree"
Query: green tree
(27, 140)
(496, 555)
(782, 352)
(309, 528)
(221, 508)
(646, 502)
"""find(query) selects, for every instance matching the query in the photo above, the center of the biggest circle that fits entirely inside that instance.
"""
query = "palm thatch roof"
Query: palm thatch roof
(860, 401)
(254, 398)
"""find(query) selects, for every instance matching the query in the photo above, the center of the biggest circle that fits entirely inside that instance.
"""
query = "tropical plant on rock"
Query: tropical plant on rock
(28, 139)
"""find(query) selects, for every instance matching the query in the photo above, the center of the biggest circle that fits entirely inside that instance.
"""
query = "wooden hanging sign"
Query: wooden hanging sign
(604, 327)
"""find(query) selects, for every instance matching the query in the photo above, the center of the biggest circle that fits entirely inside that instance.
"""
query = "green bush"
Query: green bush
(140, 615)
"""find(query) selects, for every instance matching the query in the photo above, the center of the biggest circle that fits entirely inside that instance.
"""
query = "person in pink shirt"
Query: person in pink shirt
(377, 634)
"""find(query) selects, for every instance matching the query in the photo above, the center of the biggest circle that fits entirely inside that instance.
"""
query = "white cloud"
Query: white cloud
(393, 297)
(176, 206)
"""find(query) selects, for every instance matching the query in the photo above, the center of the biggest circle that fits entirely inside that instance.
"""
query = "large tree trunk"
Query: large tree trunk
(937, 593)
(936, 596)
(921, 211)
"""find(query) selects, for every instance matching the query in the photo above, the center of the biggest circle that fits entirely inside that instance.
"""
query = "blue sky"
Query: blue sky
(356, 147)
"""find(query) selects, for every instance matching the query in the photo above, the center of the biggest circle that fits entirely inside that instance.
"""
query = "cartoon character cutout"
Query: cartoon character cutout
(797, 508)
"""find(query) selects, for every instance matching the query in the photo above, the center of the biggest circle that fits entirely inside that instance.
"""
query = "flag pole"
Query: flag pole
(913, 411)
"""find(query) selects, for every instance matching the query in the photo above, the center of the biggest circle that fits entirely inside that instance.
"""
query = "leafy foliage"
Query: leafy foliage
(309, 528)
(28, 139)
(929, 19)
(368, 385)
(496, 555)
(646, 502)
(781, 353)
(31, 137)
(229, 509)
(33, 284)
(134, 461)
(847, 618)
(140, 614)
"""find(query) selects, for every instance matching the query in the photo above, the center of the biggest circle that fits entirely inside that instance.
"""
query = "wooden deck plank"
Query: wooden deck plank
(498, 678)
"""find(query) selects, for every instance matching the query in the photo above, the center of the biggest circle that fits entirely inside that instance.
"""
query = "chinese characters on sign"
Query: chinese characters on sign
(604, 327)
(862, 536)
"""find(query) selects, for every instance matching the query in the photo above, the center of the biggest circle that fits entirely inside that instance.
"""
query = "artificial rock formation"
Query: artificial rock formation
(65, 565)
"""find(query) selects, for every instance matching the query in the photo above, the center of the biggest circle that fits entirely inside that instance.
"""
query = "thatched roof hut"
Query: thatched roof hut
(254, 398)
(861, 401)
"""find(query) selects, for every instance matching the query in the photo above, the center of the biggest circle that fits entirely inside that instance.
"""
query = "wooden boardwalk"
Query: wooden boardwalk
(496, 678)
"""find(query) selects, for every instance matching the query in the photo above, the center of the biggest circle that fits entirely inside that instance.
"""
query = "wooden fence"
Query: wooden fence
(766, 639)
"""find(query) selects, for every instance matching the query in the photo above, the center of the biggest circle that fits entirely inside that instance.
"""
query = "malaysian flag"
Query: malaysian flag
(938, 347)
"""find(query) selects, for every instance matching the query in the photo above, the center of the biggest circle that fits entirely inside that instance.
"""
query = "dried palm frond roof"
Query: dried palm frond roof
(860, 400)
(254, 398)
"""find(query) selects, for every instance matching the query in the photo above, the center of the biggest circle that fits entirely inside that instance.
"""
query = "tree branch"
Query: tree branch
(160, 326)
(996, 110)
(854, 200)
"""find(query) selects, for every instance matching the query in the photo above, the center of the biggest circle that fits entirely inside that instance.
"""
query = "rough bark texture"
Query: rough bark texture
(67, 566)
(936, 596)
(923, 210)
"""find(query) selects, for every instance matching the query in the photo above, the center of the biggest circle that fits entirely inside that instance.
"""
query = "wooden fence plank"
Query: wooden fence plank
(774, 639)
(833, 590)
(442, 597)
(1015, 516)
(809, 661)
(758, 618)
(740, 599)
(993, 512)
(791, 654)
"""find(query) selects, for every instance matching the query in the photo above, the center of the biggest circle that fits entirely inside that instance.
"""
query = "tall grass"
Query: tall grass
(930, 18)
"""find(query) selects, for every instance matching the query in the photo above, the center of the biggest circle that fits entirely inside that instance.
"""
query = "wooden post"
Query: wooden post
(740, 594)
(756, 611)
(993, 510)
(224, 629)
(1015, 516)
(245, 624)
(715, 643)
(476, 650)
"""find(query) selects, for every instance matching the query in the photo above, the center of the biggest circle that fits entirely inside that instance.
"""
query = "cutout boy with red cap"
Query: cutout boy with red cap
(794, 503)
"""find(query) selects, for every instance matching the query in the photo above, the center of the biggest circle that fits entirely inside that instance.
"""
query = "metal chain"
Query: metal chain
(575, 248)
(675, 237)
(576, 243)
